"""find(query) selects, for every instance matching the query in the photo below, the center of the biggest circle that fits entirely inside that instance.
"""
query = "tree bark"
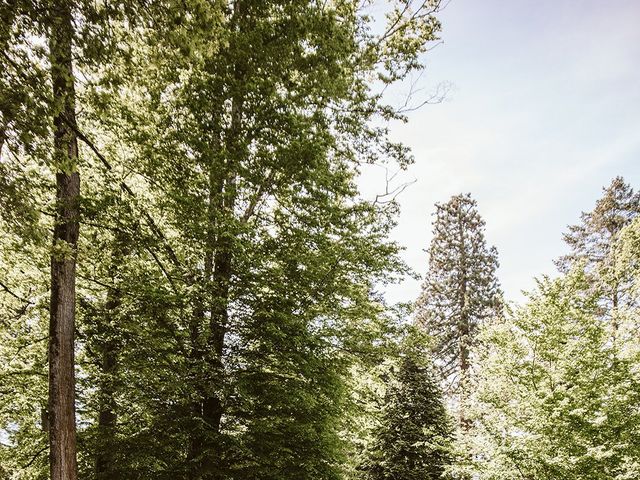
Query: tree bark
(62, 427)
(464, 328)
(200, 433)
(465, 337)
(218, 267)
(2, 137)
(107, 415)
(109, 350)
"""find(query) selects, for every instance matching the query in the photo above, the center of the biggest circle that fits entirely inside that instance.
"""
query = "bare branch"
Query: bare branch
(390, 194)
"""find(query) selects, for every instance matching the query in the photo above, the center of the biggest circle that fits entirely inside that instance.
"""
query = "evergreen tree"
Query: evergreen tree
(590, 241)
(461, 290)
(593, 239)
(413, 440)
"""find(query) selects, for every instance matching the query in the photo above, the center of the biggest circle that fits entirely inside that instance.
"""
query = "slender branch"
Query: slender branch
(35, 456)
(14, 295)
(82, 137)
(125, 188)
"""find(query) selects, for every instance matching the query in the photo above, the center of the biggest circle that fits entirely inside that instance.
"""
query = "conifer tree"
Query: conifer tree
(592, 240)
(461, 290)
(414, 437)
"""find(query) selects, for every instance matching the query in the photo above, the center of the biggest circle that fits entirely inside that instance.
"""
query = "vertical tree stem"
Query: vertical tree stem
(62, 428)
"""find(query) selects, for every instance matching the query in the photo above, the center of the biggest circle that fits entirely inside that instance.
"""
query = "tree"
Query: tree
(62, 423)
(460, 291)
(269, 254)
(554, 398)
(413, 440)
(42, 45)
(592, 241)
(228, 265)
(623, 261)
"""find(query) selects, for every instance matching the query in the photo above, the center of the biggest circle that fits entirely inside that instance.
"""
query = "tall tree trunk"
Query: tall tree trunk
(62, 427)
(464, 329)
(107, 415)
(220, 258)
(465, 333)
(207, 351)
(201, 432)
(222, 182)
(614, 313)
(109, 350)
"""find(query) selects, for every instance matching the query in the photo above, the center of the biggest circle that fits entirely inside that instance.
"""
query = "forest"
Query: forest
(192, 284)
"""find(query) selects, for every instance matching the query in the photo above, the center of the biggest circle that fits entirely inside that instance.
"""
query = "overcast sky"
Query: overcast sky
(544, 111)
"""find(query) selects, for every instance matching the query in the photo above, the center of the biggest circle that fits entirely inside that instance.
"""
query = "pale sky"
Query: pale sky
(544, 111)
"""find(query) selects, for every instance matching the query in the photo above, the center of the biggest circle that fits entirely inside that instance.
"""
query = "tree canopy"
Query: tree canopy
(193, 286)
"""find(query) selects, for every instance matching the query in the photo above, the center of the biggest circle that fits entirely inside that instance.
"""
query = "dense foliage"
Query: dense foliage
(413, 439)
(196, 162)
(558, 382)
(190, 280)
(555, 399)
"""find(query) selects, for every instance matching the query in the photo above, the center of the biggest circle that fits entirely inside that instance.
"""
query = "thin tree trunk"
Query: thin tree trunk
(222, 258)
(107, 416)
(109, 350)
(614, 312)
(464, 330)
(199, 434)
(465, 339)
(2, 137)
(62, 427)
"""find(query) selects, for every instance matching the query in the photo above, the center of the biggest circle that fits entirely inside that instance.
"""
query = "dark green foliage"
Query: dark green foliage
(413, 441)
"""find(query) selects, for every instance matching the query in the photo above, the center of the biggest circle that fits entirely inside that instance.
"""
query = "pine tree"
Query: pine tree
(413, 439)
(461, 290)
(592, 240)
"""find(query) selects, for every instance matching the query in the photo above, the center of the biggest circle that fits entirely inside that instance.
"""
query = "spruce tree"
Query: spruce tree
(413, 439)
(460, 291)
